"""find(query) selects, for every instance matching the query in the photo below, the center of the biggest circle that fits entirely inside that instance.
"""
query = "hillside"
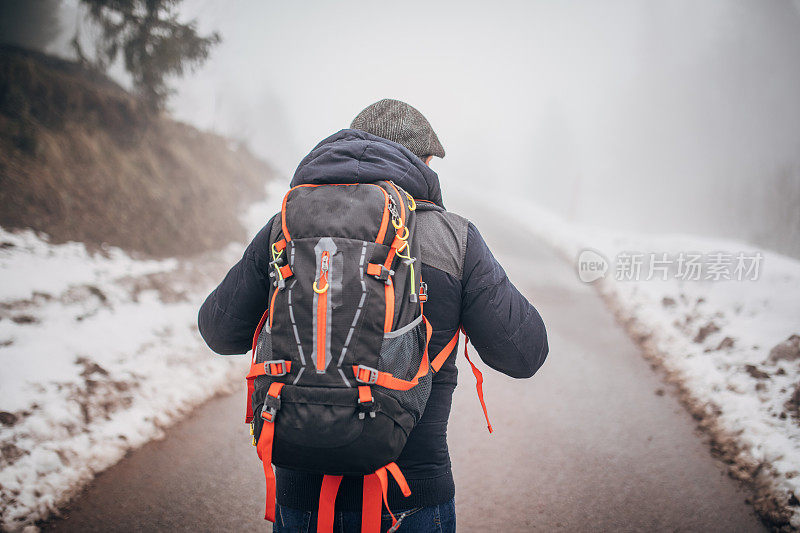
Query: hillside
(80, 160)
(114, 227)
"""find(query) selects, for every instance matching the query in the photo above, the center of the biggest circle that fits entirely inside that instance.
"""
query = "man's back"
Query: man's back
(466, 286)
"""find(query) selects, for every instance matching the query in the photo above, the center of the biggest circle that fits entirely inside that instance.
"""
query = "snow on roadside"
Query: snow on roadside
(100, 352)
(731, 345)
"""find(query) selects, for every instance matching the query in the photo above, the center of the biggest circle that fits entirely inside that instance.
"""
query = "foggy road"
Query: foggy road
(589, 443)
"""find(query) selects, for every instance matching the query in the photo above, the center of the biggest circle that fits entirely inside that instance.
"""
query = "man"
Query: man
(466, 287)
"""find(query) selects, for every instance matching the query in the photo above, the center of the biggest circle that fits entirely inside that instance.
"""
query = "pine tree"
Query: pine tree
(154, 44)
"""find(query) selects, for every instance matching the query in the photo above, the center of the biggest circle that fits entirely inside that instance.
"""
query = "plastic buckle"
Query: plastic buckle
(423, 291)
(373, 375)
(280, 362)
(270, 408)
(384, 275)
(366, 407)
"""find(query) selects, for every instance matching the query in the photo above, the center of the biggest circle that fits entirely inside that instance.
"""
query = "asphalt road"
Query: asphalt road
(588, 444)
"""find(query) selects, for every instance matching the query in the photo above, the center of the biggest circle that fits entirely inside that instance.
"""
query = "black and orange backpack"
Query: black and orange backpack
(340, 372)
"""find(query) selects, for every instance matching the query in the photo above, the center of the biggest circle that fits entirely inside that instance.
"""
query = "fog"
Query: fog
(664, 117)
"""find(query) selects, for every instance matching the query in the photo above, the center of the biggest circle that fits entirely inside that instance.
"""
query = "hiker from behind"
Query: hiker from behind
(352, 299)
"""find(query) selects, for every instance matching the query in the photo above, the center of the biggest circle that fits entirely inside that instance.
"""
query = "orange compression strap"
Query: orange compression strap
(364, 394)
(393, 469)
(248, 416)
(388, 295)
(264, 450)
(478, 380)
(280, 245)
(376, 488)
(272, 306)
(442, 356)
(327, 503)
(397, 246)
(286, 272)
(371, 505)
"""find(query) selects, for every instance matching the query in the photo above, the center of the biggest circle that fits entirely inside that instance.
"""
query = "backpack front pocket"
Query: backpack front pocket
(319, 429)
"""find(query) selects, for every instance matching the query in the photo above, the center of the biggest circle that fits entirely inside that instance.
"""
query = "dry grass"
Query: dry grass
(80, 160)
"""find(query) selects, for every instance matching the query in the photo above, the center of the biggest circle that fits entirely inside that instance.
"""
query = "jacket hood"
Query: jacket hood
(355, 156)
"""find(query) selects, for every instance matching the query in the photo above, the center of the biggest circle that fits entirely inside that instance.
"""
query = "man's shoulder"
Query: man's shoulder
(443, 240)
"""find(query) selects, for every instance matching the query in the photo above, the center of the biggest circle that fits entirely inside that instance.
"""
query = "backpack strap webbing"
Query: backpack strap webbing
(478, 381)
(272, 404)
(375, 494)
(371, 504)
(442, 356)
(279, 245)
(327, 502)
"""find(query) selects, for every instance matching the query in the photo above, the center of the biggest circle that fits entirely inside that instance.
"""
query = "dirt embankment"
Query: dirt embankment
(80, 159)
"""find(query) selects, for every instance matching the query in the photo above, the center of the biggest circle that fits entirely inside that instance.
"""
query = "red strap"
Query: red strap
(384, 480)
(383, 379)
(248, 412)
(388, 320)
(248, 416)
(264, 450)
(371, 505)
(327, 503)
(283, 215)
(286, 272)
(364, 394)
(280, 245)
(376, 486)
(479, 381)
(398, 244)
(374, 269)
(272, 307)
(442, 356)
(399, 478)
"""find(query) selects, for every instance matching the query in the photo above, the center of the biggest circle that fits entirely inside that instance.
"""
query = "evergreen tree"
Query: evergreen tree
(154, 44)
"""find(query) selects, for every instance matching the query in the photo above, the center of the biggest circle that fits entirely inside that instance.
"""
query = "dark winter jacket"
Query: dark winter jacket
(466, 285)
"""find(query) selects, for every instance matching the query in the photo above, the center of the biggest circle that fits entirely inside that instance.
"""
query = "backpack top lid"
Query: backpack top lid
(355, 156)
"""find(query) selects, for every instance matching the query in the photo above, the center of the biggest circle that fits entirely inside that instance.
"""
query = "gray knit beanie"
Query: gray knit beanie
(401, 123)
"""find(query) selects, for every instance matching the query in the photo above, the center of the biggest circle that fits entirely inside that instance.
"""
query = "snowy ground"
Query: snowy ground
(731, 345)
(100, 352)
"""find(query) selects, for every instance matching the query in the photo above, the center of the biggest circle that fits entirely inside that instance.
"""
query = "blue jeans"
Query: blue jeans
(433, 519)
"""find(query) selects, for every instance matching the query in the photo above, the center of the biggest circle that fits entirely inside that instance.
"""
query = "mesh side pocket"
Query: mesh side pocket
(263, 353)
(401, 356)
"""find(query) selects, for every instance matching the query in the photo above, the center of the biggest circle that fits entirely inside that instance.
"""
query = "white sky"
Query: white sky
(663, 116)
